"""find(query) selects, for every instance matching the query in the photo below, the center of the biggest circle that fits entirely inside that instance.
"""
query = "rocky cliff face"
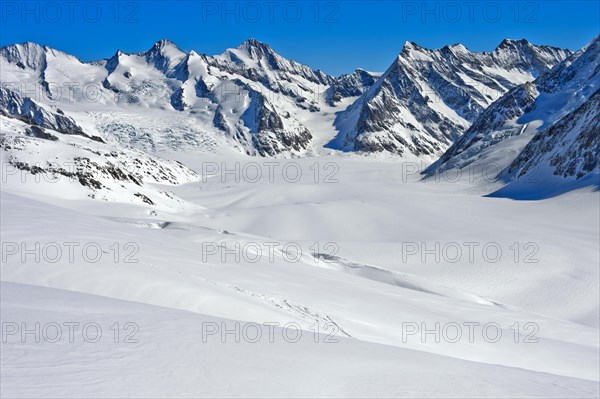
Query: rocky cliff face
(570, 148)
(350, 85)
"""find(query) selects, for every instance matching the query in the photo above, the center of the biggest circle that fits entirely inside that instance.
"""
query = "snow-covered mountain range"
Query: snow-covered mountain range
(428, 98)
(448, 102)
(262, 101)
(557, 112)
(249, 95)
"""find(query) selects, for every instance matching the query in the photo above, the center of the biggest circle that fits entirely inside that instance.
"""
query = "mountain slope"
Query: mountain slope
(428, 98)
(564, 157)
(350, 85)
(569, 147)
(551, 110)
(41, 161)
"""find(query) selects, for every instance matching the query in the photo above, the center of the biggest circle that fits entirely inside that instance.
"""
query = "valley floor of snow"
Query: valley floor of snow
(331, 276)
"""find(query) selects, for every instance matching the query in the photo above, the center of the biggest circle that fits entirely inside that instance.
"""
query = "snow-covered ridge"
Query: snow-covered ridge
(557, 108)
(428, 98)
(29, 111)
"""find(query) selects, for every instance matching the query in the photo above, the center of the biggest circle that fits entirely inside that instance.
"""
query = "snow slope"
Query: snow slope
(171, 359)
(381, 290)
(562, 158)
(48, 162)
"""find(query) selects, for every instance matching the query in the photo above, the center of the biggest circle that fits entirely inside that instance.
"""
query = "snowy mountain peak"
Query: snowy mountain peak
(253, 43)
(166, 49)
(526, 55)
(258, 61)
(113, 62)
(24, 55)
(257, 51)
(522, 46)
(164, 43)
(411, 47)
(513, 43)
(165, 55)
(31, 55)
(24, 47)
(456, 48)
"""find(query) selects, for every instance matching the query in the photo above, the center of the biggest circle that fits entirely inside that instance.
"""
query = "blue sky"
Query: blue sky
(335, 36)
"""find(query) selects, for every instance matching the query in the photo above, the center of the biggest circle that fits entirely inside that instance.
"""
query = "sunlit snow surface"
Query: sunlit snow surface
(365, 286)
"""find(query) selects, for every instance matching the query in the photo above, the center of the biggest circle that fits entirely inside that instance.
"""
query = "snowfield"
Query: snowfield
(349, 252)
(168, 357)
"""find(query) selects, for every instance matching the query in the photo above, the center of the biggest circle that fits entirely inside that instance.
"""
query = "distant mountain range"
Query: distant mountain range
(448, 106)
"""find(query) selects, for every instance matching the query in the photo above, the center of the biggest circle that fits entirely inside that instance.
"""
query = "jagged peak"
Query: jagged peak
(523, 45)
(255, 48)
(361, 71)
(517, 44)
(411, 46)
(165, 47)
(512, 42)
(115, 57)
(26, 45)
(18, 52)
(164, 43)
(32, 46)
(457, 47)
(165, 55)
(252, 42)
(412, 51)
(192, 55)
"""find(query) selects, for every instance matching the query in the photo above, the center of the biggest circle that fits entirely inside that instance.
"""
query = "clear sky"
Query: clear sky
(335, 36)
